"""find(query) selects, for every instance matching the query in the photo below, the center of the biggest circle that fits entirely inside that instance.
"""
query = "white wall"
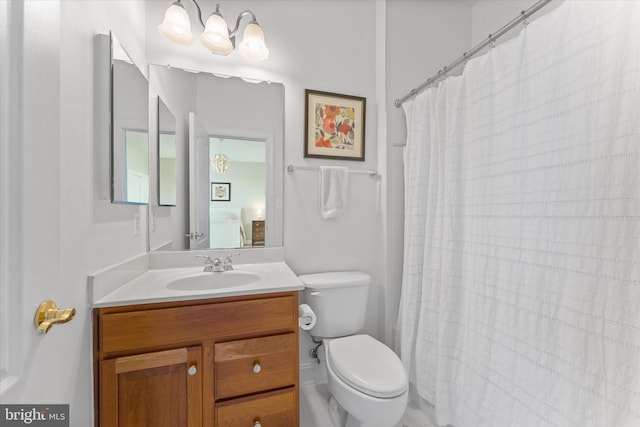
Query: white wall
(422, 37)
(489, 15)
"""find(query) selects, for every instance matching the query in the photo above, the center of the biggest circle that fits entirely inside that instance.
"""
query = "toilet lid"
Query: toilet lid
(368, 366)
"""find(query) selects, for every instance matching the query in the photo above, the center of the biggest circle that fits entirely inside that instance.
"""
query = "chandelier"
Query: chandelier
(216, 36)
(220, 161)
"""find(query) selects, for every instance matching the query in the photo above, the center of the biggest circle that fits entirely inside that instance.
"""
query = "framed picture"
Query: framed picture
(220, 191)
(334, 125)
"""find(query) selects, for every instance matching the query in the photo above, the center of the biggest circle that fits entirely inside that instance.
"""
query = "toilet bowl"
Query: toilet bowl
(366, 378)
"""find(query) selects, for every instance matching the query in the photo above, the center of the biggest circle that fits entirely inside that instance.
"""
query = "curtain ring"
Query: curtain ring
(492, 41)
(525, 20)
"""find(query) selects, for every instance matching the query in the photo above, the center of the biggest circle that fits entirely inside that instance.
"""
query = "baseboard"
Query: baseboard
(312, 373)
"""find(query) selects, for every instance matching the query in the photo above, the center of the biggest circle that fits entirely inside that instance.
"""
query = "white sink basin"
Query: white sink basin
(214, 280)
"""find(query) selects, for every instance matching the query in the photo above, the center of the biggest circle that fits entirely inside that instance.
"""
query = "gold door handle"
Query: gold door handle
(48, 315)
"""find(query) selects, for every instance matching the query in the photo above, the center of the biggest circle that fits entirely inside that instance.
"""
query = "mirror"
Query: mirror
(166, 149)
(129, 129)
(233, 161)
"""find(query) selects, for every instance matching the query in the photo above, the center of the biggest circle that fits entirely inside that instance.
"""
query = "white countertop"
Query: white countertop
(152, 285)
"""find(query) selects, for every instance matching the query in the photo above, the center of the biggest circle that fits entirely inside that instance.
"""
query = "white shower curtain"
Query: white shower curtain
(521, 287)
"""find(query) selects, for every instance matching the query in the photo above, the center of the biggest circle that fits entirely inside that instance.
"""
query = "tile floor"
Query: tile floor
(314, 410)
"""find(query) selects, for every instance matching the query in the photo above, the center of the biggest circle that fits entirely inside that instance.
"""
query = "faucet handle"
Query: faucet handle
(207, 259)
(227, 259)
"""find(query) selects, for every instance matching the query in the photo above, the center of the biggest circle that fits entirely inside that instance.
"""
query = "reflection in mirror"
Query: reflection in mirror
(166, 155)
(240, 125)
(129, 129)
(237, 205)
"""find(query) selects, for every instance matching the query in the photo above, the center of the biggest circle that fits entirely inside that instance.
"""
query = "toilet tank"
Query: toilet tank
(339, 300)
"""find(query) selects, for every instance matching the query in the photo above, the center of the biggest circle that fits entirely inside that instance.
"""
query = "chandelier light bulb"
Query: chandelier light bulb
(216, 35)
(176, 25)
(253, 45)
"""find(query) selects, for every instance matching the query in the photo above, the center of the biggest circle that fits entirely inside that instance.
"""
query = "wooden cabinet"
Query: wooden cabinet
(218, 362)
(270, 409)
(161, 389)
(257, 233)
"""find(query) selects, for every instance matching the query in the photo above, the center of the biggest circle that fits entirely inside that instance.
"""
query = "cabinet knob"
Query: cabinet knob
(257, 424)
(256, 370)
(192, 370)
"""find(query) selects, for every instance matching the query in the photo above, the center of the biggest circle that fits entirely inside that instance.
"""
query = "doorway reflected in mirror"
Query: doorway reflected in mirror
(231, 218)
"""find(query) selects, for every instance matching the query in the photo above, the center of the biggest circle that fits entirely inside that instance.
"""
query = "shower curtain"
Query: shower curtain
(521, 285)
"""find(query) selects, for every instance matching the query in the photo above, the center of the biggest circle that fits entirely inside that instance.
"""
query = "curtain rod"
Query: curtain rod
(468, 55)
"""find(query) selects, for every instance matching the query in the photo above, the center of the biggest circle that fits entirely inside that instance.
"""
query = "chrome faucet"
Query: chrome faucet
(216, 264)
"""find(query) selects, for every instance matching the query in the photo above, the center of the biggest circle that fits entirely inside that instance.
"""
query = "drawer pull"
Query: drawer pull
(257, 424)
(256, 370)
(192, 370)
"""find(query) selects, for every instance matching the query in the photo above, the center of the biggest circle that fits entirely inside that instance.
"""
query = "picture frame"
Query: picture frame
(334, 126)
(220, 191)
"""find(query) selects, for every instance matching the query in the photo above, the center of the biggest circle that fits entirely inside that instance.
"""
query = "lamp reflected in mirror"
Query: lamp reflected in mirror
(220, 161)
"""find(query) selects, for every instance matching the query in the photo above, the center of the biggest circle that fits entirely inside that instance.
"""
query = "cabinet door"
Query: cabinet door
(161, 389)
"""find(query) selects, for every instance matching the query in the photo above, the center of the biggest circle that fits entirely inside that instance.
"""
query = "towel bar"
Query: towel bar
(292, 168)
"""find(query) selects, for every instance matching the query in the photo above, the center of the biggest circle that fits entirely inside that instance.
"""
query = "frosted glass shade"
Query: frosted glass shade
(216, 35)
(253, 46)
(220, 162)
(176, 25)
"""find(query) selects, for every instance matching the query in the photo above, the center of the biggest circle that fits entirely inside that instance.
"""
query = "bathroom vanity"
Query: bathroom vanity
(223, 357)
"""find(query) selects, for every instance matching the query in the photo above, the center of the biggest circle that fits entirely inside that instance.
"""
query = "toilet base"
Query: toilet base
(337, 413)
(364, 410)
(352, 422)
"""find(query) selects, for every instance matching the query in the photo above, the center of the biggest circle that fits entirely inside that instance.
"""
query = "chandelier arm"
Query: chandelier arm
(199, 12)
(244, 13)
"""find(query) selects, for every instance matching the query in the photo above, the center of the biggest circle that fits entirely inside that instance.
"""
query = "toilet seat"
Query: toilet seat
(329, 280)
(367, 365)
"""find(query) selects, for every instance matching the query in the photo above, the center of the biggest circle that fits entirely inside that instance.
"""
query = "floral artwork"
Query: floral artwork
(337, 126)
(334, 127)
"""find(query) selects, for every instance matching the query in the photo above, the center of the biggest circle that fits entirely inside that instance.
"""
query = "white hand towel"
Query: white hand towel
(334, 183)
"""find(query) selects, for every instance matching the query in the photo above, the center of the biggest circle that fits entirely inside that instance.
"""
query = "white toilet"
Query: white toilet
(366, 377)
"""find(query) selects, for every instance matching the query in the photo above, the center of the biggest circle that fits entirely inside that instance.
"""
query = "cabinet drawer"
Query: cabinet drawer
(271, 409)
(163, 327)
(255, 365)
